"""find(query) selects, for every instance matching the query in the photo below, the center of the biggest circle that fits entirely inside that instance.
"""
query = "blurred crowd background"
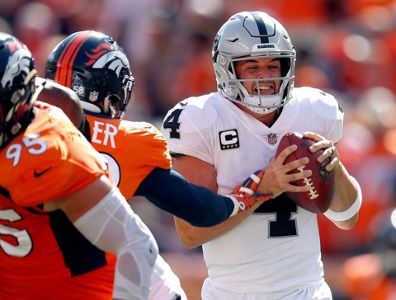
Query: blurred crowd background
(345, 47)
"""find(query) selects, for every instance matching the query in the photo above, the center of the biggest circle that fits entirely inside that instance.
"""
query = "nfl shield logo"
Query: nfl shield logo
(272, 138)
(93, 96)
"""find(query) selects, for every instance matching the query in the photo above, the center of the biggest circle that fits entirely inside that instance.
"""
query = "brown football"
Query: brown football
(321, 183)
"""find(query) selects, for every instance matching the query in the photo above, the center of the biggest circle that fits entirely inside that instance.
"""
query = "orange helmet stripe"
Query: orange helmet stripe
(64, 72)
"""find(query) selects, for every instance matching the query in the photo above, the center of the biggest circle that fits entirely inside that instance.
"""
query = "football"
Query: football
(321, 183)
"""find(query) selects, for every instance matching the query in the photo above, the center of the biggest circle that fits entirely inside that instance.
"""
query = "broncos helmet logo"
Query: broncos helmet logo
(105, 56)
(18, 63)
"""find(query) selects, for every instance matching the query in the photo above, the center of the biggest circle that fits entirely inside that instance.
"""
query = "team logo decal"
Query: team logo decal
(93, 96)
(272, 139)
(96, 53)
(229, 139)
(77, 86)
(105, 56)
(18, 63)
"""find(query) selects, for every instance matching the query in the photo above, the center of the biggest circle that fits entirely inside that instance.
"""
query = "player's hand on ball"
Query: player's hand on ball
(321, 162)
(329, 150)
(278, 179)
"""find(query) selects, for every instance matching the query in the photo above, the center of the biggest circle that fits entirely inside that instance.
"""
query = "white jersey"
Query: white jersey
(278, 246)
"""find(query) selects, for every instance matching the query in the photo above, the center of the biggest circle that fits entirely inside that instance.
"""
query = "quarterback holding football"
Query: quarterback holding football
(271, 251)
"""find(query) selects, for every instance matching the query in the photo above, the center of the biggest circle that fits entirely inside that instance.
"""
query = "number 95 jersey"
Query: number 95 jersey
(42, 254)
(276, 248)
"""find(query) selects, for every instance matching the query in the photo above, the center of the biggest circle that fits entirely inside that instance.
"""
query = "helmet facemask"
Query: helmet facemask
(115, 104)
(261, 103)
(118, 103)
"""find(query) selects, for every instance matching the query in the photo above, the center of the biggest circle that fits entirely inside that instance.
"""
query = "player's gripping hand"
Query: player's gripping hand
(278, 177)
(243, 195)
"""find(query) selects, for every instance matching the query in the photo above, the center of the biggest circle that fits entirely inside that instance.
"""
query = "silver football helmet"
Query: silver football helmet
(248, 35)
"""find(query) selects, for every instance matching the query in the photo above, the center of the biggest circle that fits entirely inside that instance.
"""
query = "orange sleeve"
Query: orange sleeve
(151, 146)
(144, 149)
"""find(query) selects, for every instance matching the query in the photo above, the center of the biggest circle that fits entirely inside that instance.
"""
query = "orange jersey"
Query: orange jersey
(133, 150)
(42, 255)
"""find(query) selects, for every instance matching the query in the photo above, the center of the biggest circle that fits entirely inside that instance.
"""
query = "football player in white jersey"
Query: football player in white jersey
(272, 251)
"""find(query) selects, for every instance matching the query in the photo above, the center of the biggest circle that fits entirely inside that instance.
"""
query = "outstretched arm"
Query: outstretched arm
(199, 206)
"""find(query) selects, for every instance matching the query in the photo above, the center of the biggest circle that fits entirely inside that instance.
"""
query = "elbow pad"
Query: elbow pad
(112, 226)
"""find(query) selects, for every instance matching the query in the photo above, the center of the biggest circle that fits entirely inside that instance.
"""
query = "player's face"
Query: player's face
(262, 68)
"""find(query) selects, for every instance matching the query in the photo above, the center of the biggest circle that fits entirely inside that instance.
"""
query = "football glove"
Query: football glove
(243, 195)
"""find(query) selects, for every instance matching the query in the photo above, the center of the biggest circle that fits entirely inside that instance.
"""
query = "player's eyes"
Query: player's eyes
(251, 67)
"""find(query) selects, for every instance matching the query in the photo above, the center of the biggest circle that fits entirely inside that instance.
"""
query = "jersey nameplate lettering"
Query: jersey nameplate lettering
(104, 134)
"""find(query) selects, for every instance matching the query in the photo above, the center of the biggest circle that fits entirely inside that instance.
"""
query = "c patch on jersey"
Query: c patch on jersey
(229, 139)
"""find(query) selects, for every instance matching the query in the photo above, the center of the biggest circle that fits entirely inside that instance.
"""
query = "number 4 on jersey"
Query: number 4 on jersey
(172, 122)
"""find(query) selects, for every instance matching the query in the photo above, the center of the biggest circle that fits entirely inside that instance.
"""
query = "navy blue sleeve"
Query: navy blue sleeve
(168, 190)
